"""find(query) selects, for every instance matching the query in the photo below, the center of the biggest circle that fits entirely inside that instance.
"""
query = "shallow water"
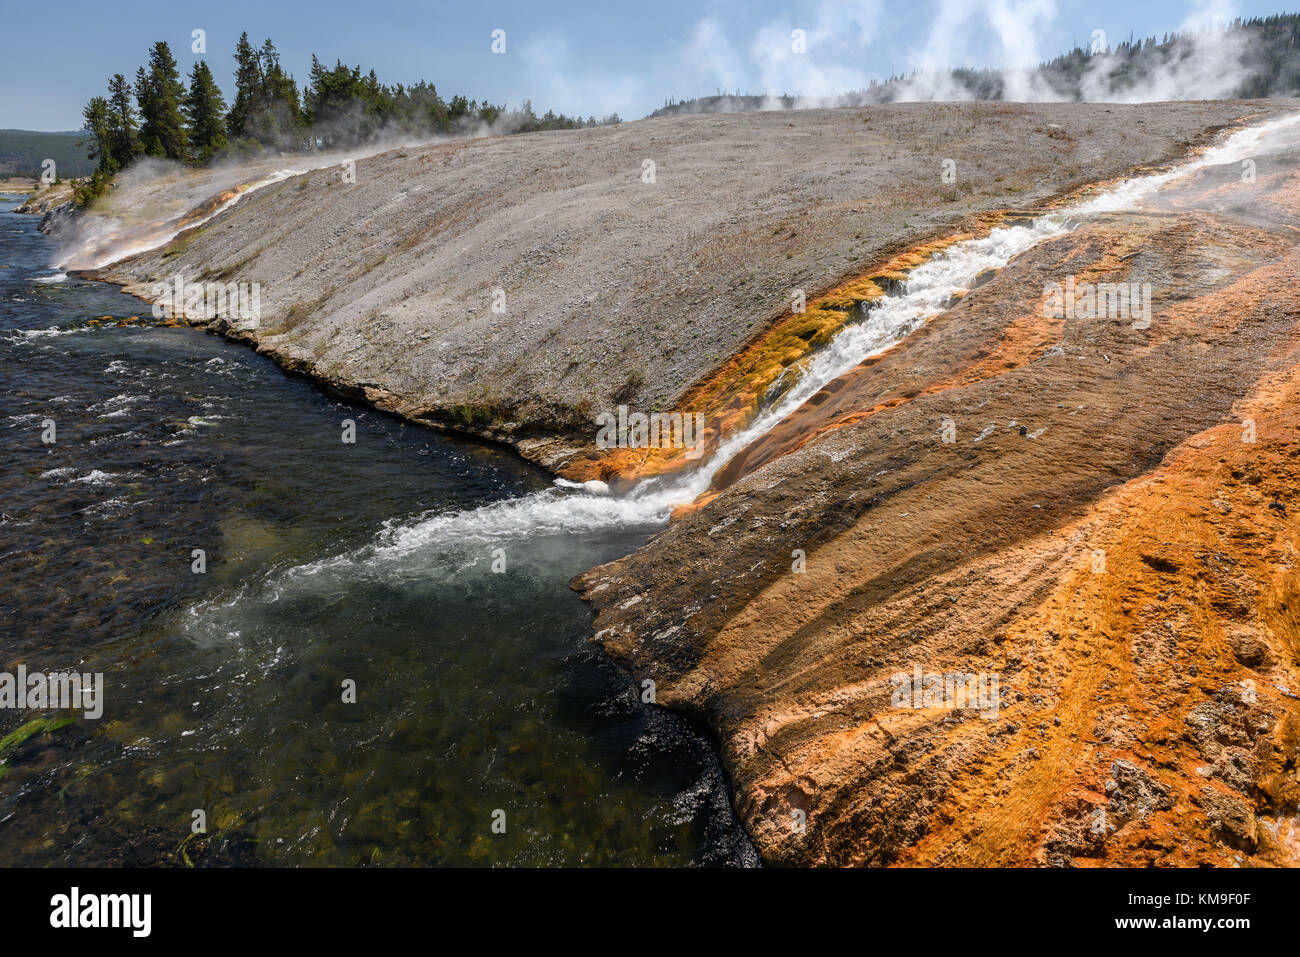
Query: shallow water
(476, 691)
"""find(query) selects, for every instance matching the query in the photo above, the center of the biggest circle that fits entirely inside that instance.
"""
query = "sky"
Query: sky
(580, 58)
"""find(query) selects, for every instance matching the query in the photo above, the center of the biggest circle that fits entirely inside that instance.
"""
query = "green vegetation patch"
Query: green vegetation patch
(24, 733)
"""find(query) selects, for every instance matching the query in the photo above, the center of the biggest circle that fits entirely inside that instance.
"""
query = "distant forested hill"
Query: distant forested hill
(23, 151)
(1259, 57)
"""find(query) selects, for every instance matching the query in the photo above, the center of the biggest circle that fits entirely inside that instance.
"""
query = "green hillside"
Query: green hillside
(23, 151)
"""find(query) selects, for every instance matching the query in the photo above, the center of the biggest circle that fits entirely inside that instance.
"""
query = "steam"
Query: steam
(1017, 25)
(154, 200)
(1013, 38)
(838, 31)
(1208, 63)
(151, 202)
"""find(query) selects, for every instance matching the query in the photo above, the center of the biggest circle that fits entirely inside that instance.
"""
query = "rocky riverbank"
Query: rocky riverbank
(46, 199)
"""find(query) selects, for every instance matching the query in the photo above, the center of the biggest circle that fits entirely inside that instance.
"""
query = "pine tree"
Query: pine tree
(248, 88)
(98, 117)
(281, 121)
(334, 104)
(159, 93)
(266, 107)
(205, 109)
(125, 144)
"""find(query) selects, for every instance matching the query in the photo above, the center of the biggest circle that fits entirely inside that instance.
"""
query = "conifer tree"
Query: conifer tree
(281, 122)
(125, 137)
(159, 92)
(248, 88)
(205, 108)
(98, 117)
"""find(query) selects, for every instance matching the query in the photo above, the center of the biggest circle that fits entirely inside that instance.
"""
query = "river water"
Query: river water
(479, 698)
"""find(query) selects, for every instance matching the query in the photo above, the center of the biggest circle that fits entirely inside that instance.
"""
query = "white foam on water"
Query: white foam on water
(96, 477)
(16, 336)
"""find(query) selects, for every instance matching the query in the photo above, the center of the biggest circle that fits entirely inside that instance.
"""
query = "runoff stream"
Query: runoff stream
(428, 573)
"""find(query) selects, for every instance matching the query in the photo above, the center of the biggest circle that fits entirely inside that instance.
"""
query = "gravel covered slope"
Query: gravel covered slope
(615, 287)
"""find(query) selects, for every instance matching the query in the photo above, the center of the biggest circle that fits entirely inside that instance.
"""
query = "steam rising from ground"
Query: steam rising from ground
(1207, 63)
(155, 199)
(1012, 39)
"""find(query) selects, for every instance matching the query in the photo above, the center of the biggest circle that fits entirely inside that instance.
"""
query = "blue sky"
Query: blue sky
(575, 57)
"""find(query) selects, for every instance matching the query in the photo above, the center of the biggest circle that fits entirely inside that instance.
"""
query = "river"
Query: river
(486, 729)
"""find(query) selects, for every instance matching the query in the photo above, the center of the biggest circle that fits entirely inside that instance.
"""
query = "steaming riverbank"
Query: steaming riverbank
(614, 287)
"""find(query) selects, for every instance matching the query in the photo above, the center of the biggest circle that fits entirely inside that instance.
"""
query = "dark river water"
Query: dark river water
(479, 698)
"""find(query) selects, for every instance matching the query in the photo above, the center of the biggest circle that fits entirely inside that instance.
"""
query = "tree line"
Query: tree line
(159, 114)
(1269, 63)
